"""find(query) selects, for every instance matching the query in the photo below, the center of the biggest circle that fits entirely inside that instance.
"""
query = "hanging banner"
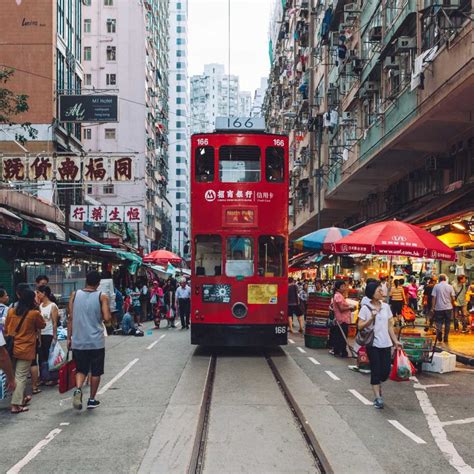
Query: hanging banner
(67, 168)
(117, 214)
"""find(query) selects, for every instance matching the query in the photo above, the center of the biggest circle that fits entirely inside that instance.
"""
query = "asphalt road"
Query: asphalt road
(147, 418)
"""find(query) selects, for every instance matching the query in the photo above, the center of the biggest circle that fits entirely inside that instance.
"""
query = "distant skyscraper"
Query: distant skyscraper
(179, 164)
(245, 103)
(258, 98)
(211, 97)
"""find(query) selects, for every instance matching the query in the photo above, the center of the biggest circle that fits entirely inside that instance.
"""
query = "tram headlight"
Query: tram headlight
(239, 310)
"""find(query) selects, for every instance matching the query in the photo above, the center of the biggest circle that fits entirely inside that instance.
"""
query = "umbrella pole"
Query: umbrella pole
(389, 275)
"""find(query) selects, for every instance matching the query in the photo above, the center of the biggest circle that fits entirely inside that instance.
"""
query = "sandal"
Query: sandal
(26, 400)
(36, 390)
(19, 410)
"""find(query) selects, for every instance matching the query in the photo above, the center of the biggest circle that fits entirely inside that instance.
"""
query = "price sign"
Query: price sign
(241, 124)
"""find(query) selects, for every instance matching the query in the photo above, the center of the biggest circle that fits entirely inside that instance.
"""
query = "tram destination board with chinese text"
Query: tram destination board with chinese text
(88, 108)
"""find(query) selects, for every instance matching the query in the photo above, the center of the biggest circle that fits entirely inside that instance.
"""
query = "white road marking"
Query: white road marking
(406, 432)
(178, 324)
(361, 397)
(153, 344)
(63, 424)
(291, 340)
(301, 350)
(424, 387)
(439, 435)
(120, 374)
(34, 451)
(333, 376)
(458, 422)
(314, 361)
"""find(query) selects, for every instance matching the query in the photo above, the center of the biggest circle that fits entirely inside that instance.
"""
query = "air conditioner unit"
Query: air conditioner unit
(372, 86)
(351, 7)
(405, 43)
(375, 34)
(390, 62)
(350, 17)
(347, 117)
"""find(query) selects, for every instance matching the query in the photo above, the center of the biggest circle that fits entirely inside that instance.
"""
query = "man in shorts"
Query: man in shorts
(88, 310)
(294, 308)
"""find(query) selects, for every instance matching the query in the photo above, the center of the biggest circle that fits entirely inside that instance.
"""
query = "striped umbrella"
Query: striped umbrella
(322, 239)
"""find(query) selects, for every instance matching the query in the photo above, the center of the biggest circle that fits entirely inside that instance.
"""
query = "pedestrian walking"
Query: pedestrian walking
(460, 305)
(23, 323)
(117, 315)
(4, 298)
(303, 297)
(397, 300)
(376, 314)
(342, 314)
(294, 308)
(183, 300)
(42, 280)
(50, 313)
(443, 297)
(6, 363)
(145, 302)
(428, 301)
(412, 290)
(88, 310)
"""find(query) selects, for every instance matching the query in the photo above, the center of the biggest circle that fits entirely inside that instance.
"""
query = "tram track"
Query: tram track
(198, 458)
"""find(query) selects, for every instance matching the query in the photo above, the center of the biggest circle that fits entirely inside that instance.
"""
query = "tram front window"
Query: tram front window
(239, 261)
(208, 251)
(274, 164)
(204, 159)
(271, 251)
(239, 164)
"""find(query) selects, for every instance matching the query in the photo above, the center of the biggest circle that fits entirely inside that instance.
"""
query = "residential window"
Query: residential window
(87, 3)
(180, 112)
(87, 53)
(108, 189)
(179, 195)
(87, 79)
(180, 100)
(111, 25)
(111, 79)
(180, 171)
(179, 6)
(180, 184)
(180, 77)
(179, 17)
(179, 124)
(179, 135)
(111, 53)
(179, 65)
(180, 29)
(110, 133)
(108, 3)
(180, 89)
(89, 189)
(180, 53)
(87, 25)
(179, 147)
(87, 133)
(180, 41)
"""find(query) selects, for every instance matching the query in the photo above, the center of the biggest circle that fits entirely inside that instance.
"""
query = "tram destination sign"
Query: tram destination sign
(216, 293)
(240, 124)
(88, 108)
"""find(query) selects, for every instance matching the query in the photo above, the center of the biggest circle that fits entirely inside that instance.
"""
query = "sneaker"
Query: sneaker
(77, 399)
(92, 403)
(378, 403)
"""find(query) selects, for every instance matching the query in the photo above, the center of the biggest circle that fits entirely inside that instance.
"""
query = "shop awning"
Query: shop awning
(54, 229)
(10, 221)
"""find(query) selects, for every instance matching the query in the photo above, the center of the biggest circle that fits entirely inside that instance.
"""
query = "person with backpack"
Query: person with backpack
(460, 305)
(21, 327)
(375, 319)
(88, 310)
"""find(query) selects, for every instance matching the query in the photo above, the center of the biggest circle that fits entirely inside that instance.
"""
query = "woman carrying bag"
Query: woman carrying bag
(22, 324)
(376, 328)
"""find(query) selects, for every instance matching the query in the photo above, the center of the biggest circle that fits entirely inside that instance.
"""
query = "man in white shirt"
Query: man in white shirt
(6, 364)
(183, 303)
(443, 298)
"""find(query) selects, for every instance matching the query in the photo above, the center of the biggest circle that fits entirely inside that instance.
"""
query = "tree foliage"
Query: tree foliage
(11, 105)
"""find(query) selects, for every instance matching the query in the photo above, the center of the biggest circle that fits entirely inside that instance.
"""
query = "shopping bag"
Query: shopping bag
(363, 359)
(67, 375)
(56, 357)
(402, 368)
(408, 313)
(3, 385)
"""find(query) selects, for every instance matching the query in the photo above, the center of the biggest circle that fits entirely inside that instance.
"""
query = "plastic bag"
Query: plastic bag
(3, 385)
(57, 357)
(402, 368)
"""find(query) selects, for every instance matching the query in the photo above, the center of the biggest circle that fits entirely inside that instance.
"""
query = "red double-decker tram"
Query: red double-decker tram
(239, 228)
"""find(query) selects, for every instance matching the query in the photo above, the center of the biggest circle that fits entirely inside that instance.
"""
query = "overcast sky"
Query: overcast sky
(208, 38)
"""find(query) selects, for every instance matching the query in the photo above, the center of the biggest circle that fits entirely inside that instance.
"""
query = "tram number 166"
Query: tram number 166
(280, 329)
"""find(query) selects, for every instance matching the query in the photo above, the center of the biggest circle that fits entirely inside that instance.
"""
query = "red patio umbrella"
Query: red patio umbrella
(162, 257)
(394, 238)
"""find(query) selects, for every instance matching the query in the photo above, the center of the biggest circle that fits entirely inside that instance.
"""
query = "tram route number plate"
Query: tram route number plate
(240, 123)
(216, 293)
(280, 329)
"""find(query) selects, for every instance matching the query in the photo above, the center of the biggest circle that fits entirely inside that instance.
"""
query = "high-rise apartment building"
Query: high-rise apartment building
(179, 162)
(245, 103)
(41, 41)
(213, 94)
(259, 96)
(124, 52)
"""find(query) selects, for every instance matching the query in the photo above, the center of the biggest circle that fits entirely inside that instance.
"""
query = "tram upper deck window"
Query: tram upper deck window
(239, 164)
(204, 162)
(208, 251)
(239, 260)
(274, 164)
(271, 251)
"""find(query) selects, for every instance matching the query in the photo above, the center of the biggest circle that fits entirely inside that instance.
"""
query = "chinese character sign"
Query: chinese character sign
(117, 214)
(67, 168)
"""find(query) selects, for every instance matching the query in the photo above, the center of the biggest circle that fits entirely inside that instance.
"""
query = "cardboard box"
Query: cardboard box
(443, 362)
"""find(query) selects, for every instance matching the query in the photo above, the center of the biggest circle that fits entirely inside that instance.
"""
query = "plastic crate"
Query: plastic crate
(315, 342)
(442, 363)
(316, 332)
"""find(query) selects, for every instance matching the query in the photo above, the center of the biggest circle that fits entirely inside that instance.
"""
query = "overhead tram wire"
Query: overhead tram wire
(228, 52)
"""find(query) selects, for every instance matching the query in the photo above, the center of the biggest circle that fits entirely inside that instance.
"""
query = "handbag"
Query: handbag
(67, 375)
(365, 337)
(10, 340)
